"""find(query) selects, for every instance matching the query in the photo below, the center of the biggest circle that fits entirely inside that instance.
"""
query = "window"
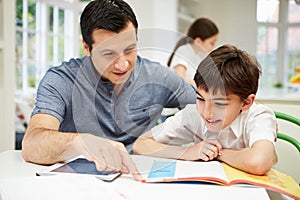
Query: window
(278, 40)
(46, 31)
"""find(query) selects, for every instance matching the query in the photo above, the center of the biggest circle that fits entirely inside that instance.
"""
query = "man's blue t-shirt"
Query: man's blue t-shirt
(75, 94)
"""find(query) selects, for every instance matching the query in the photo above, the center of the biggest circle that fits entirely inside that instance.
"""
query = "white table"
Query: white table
(13, 166)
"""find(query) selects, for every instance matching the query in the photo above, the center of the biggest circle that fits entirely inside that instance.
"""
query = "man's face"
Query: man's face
(114, 54)
(218, 111)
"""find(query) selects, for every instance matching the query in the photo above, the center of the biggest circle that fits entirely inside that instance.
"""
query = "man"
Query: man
(110, 97)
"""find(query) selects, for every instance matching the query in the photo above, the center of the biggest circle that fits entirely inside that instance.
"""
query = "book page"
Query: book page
(144, 163)
(273, 180)
(167, 170)
(198, 170)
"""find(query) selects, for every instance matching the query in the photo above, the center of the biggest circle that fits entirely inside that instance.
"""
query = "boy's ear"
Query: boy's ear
(86, 48)
(248, 102)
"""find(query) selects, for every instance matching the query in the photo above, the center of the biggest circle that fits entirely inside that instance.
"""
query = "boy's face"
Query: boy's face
(218, 111)
(114, 54)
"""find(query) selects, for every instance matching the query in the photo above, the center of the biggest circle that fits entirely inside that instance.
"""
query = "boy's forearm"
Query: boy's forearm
(246, 160)
(236, 158)
(146, 145)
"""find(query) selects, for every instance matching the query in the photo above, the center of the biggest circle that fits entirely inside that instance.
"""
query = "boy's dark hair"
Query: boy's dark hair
(110, 15)
(230, 70)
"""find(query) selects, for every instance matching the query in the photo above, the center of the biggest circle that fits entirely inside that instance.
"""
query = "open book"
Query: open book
(168, 170)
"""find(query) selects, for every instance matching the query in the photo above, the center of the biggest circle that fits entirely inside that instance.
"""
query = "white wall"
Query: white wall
(234, 18)
(155, 13)
(157, 32)
(7, 74)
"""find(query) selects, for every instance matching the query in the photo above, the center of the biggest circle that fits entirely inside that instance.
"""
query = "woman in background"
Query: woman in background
(190, 50)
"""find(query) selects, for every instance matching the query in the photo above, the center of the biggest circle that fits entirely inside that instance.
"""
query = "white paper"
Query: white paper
(58, 187)
(200, 169)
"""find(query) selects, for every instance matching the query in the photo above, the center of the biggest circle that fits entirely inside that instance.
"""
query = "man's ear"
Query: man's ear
(248, 102)
(86, 48)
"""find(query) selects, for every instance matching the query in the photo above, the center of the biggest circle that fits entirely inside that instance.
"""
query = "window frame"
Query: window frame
(72, 10)
(282, 26)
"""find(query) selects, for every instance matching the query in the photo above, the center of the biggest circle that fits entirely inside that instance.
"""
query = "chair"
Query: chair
(286, 151)
(283, 136)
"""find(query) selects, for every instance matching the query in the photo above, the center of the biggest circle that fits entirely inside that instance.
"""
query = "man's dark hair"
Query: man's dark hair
(110, 15)
(230, 70)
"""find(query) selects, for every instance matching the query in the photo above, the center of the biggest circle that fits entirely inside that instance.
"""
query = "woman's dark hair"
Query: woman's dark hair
(202, 28)
(110, 15)
(230, 70)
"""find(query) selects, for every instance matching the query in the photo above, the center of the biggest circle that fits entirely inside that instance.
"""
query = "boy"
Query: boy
(231, 127)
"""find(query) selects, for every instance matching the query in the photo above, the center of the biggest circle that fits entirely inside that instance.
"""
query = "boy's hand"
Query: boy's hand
(205, 150)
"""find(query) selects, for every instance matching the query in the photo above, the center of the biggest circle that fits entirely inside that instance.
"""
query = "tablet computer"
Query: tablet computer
(79, 166)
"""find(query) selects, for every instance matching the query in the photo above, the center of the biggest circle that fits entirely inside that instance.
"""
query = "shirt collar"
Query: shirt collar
(136, 70)
(237, 126)
(92, 73)
(89, 71)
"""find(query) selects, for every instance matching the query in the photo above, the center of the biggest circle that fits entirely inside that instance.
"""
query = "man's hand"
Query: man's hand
(107, 154)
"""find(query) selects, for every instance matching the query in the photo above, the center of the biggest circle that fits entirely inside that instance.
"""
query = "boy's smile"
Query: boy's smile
(218, 110)
(210, 122)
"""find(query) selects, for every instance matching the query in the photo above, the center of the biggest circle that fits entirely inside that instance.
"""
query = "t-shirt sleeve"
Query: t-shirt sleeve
(262, 125)
(50, 96)
(167, 88)
(179, 58)
(180, 92)
(177, 130)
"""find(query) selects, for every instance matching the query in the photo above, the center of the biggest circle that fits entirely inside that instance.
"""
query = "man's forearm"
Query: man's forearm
(44, 146)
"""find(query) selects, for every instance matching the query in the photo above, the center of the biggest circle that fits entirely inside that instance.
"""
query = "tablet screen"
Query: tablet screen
(81, 166)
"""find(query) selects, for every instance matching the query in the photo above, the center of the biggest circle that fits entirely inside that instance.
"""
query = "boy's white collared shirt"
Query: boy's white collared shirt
(258, 123)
